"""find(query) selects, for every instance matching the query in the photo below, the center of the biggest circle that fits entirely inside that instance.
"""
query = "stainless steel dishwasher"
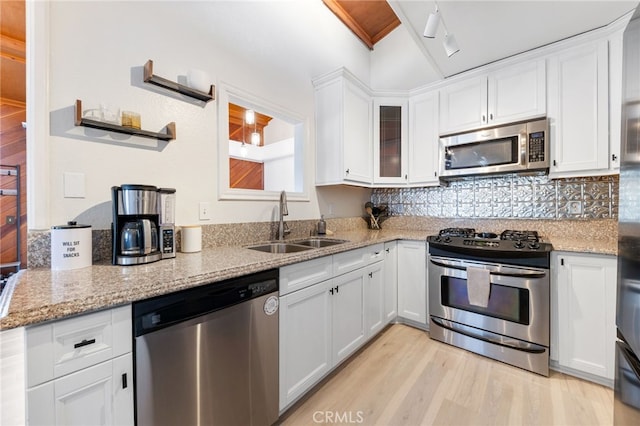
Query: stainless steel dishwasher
(209, 355)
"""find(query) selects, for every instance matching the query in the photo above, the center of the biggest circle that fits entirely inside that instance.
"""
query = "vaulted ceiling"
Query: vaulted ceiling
(486, 31)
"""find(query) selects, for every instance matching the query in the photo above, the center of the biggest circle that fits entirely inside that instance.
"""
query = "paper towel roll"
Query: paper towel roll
(191, 239)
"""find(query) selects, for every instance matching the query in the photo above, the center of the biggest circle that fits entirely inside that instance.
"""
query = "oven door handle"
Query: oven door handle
(502, 270)
(509, 343)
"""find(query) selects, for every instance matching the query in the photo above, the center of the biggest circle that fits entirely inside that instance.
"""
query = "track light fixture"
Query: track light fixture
(430, 30)
(432, 24)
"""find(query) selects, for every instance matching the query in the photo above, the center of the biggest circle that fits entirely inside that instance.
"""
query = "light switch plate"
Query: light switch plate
(205, 210)
(73, 185)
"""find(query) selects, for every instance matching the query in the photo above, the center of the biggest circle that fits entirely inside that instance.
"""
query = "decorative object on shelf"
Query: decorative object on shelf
(199, 80)
(169, 134)
(194, 76)
(131, 119)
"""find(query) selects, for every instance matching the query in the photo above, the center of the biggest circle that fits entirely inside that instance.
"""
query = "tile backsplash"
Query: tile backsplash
(507, 196)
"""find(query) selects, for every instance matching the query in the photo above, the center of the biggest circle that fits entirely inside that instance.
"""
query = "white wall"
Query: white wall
(96, 53)
(397, 63)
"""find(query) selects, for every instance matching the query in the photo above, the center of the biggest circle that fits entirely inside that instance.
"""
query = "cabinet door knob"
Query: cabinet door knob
(387, 250)
(347, 171)
(484, 118)
(554, 163)
(331, 291)
(435, 174)
(491, 116)
(370, 274)
(614, 157)
(337, 289)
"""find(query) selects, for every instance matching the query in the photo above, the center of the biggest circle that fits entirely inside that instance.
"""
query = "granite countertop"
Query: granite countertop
(41, 295)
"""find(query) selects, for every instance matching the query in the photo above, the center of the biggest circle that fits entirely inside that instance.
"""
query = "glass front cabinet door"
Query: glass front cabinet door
(390, 133)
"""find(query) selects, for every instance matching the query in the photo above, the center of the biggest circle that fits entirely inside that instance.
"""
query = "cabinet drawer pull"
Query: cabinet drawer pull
(84, 342)
(124, 380)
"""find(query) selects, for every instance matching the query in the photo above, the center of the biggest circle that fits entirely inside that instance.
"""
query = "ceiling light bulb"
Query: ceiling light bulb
(250, 116)
(432, 25)
(450, 45)
(255, 138)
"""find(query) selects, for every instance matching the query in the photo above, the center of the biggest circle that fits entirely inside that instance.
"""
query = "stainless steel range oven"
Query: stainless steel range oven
(489, 294)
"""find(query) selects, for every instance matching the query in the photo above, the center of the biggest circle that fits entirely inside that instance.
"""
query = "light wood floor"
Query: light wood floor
(405, 378)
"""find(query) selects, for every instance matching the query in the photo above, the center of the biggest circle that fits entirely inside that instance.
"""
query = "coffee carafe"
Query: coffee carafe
(135, 224)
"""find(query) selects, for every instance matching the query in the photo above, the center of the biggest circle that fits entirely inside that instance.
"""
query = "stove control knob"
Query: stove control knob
(534, 245)
(437, 239)
(447, 239)
(518, 244)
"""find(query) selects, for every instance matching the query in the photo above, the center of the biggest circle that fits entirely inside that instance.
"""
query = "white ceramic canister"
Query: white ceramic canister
(71, 246)
(191, 239)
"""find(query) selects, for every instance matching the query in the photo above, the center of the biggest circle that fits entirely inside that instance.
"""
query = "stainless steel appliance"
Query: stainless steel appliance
(209, 355)
(512, 323)
(627, 369)
(135, 225)
(167, 221)
(522, 147)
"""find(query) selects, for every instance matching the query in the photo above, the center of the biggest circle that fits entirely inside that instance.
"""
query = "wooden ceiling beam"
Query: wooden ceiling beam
(369, 20)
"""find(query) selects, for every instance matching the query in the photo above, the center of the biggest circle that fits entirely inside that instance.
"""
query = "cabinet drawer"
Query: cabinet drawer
(300, 275)
(359, 258)
(62, 347)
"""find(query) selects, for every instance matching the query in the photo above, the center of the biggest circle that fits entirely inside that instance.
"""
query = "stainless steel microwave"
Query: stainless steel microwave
(518, 147)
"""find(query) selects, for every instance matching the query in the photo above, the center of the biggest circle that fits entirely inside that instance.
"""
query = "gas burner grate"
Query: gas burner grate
(511, 235)
(458, 232)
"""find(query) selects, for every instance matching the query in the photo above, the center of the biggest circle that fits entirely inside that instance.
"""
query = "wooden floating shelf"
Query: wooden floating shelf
(176, 87)
(168, 135)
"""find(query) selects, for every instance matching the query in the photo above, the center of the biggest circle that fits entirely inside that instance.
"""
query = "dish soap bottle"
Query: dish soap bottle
(322, 226)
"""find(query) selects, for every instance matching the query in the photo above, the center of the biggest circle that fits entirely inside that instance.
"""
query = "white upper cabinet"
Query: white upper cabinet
(463, 105)
(615, 100)
(423, 139)
(343, 130)
(514, 93)
(390, 137)
(579, 110)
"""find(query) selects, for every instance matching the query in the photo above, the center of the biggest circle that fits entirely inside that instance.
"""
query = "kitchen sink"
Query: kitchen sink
(280, 247)
(320, 242)
(296, 246)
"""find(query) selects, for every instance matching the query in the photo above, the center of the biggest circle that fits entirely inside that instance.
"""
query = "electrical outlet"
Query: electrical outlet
(205, 210)
(575, 207)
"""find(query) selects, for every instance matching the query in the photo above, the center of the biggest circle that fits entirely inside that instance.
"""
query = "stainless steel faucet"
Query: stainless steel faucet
(283, 229)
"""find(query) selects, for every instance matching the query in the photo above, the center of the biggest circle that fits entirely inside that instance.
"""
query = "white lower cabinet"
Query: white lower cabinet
(80, 370)
(583, 330)
(347, 314)
(412, 281)
(375, 317)
(305, 340)
(390, 281)
(12, 377)
(323, 324)
(92, 396)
